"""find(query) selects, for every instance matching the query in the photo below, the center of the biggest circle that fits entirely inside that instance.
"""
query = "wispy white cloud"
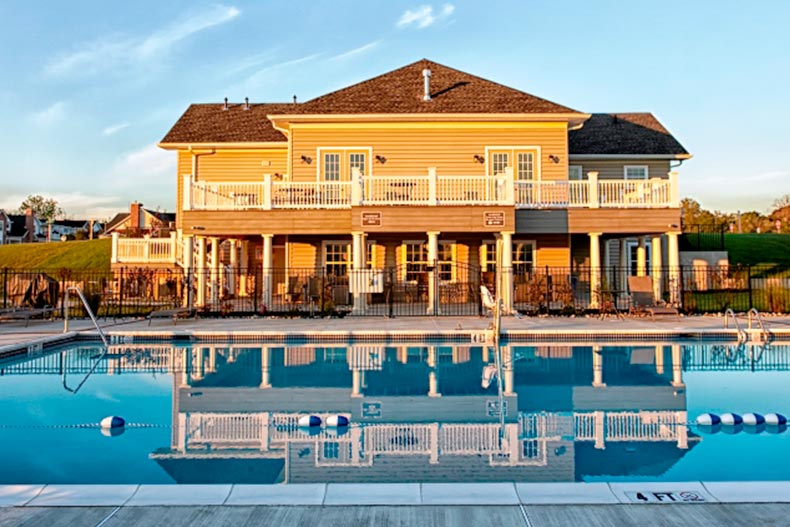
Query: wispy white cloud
(268, 74)
(115, 128)
(115, 51)
(424, 16)
(355, 51)
(50, 115)
(145, 164)
(76, 205)
(251, 62)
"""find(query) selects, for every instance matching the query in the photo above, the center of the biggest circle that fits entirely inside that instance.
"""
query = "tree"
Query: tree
(781, 203)
(45, 208)
(692, 214)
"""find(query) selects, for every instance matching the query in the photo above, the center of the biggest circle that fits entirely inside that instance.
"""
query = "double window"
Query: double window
(337, 257)
(416, 260)
(338, 164)
(523, 257)
(522, 160)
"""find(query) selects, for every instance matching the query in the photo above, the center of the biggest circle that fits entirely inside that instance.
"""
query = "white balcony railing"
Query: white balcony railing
(146, 250)
(431, 189)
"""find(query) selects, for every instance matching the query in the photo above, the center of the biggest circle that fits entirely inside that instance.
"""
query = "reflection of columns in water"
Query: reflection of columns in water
(485, 355)
(682, 432)
(433, 381)
(266, 365)
(508, 378)
(434, 457)
(186, 366)
(600, 430)
(212, 360)
(198, 372)
(597, 357)
(659, 359)
(356, 382)
(677, 365)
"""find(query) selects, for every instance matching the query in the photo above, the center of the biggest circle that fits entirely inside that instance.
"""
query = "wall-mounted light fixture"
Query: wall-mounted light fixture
(479, 159)
(307, 159)
(198, 228)
(381, 159)
(554, 159)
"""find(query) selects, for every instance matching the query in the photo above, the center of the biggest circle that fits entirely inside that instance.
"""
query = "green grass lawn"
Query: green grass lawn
(88, 255)
(753, 249)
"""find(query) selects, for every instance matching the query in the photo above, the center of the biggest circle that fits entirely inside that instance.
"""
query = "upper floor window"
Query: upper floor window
(521, 160)
(635, 172)
(338, 164)
(575, 172)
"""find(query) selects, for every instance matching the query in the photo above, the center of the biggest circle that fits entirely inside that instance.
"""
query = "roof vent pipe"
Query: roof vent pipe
(225, 107)
(246, 103)
(426, 74)
(294, 99)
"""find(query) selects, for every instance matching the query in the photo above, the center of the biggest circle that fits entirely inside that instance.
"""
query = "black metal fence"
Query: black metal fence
(410, 290)
(702, 238)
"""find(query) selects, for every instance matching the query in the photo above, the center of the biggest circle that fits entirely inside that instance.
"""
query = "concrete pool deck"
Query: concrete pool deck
(12, 334)
(500, 504)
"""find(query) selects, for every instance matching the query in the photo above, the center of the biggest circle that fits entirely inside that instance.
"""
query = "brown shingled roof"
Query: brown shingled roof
(210, 123)
(452, 91)
(623, 134)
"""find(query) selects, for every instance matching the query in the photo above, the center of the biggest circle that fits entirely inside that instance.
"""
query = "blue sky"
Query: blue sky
(89, 87)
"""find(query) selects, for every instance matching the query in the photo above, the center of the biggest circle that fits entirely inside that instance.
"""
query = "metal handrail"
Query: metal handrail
(742, 336)
(87, 308)
(765, 333)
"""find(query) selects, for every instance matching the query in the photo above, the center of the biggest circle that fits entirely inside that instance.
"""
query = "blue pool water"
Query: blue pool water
(211, 413)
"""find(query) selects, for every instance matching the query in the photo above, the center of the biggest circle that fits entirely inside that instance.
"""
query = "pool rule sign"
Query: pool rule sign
(494, 218)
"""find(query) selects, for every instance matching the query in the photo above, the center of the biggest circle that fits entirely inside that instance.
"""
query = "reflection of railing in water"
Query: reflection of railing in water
(756, 356)
(524, 443)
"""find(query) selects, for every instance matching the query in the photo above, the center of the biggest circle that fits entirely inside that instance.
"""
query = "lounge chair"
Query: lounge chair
(643, 300)
(26, 313)
(175, 314)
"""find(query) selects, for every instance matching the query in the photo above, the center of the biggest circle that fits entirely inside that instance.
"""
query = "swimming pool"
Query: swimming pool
(428, 412)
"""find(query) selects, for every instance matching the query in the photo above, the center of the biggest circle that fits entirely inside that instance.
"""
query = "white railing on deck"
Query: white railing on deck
(399, 439)
(430, 189)
(145, 250)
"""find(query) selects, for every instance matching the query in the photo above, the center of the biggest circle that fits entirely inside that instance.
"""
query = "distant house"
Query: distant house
(24, 228)
(140, 221)
(72, 227)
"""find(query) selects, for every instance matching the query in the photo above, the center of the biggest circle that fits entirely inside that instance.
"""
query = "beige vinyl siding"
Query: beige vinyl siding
(552, 250)
(615, 169)
(410, 150)
(230, 165)
(303, 255)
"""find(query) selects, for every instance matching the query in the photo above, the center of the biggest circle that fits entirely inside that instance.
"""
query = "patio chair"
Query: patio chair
(643, 301)
(26, 313)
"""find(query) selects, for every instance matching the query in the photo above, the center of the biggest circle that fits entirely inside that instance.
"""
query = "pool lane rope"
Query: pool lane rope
(84, 425)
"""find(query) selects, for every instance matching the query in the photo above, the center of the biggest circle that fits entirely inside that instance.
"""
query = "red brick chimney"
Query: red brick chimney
(135, 213)
(30, 225)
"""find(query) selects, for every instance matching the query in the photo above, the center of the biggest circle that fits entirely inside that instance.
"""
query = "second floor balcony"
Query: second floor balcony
(431, 189)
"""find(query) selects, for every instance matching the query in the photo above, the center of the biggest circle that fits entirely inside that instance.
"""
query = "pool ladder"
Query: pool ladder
(87, 308)
(744, 334)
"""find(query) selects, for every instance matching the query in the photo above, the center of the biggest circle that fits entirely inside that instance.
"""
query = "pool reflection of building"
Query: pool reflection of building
(420, 413)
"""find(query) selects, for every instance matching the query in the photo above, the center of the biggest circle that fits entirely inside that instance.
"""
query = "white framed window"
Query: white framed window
(337, 257)
(338, 163)
(523, 160)
(575, 173)
(415, 259)
(446, 261)
(635, 172)
(523, 256)
(633, 247)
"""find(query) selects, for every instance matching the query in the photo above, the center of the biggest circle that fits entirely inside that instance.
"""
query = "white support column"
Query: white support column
(597, 367)
(681, 430)
(595, 269)
(623, 266)
(674, 267)
(509, 197)
(266, 365)
(146, 247)
(214, 283)
(114, 256)
(506, 269)
(186, 366)
(358, 254)
(433, 381)
(200, 269)
(357, 187)
(198, 368)
(268, 192)
(186, 201)
(592, 188)
(268, 271)
(173, 246)
(641, 258)
(234, 264)
(189, 270)
(433, 255)
(244, 265)
(674, 191)
(212, 360)
(655, 265)
(600, 430)
(677, 366)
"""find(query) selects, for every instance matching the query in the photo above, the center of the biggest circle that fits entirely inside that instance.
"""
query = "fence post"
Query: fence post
(749, 284)
(391, 290)
(120, 294)
(5, 287)
(548, 292)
